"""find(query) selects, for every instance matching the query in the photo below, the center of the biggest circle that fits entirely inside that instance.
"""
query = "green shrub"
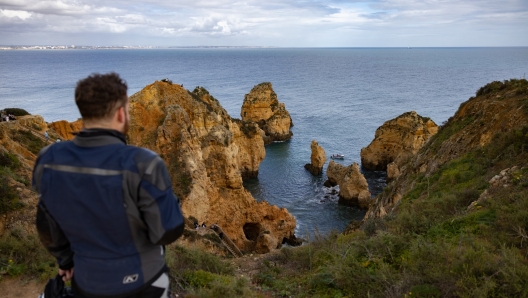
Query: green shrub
(9, 199)
(181, 259)
(16, 111)
(200, 278)
(23, 254)
(220, 286)
(9, 160)
(425, 291)
(30, 141)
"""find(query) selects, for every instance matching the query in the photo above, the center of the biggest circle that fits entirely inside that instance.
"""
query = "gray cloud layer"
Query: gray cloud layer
(275, 23)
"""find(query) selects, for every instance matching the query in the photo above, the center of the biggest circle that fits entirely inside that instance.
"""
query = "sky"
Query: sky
(286, 23)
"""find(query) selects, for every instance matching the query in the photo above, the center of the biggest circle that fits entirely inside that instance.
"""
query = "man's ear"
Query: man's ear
(121, 116)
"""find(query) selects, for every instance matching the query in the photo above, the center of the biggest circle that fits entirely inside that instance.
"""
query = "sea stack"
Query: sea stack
(318, 159)
(397, 140)
(353, 187)
(262, 107)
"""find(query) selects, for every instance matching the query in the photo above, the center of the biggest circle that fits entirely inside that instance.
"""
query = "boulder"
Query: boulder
(318, 159)
(262, 107)
(207, 153)
(397, 140)
(353, 187)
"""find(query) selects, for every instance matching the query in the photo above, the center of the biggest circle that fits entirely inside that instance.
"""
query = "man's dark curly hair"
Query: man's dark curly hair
(98, 95)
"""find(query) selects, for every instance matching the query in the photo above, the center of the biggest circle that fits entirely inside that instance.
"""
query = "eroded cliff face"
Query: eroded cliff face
(397, 140)
(353, 187)
(20, 142)
(262, 107)
(207, 153)
(66, 129)
(318, 159)
(497, 109)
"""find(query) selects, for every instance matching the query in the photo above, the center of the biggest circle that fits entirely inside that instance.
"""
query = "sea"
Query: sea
(336, 96)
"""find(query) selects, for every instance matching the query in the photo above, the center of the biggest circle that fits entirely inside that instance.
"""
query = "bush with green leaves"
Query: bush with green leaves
(16, 112)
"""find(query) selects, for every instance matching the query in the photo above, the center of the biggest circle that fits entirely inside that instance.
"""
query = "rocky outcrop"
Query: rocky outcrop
(262, 107)
(66, 129)
(207, 153)
(498, 109)
(353, 187)
(393, 171)
(33, 122)
(318, 159)
(505, 179)
(397, 140)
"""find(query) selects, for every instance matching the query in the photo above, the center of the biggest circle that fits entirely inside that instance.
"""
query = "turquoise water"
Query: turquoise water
(335, 96)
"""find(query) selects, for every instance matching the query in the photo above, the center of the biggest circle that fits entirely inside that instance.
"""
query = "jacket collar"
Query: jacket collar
(95, 137)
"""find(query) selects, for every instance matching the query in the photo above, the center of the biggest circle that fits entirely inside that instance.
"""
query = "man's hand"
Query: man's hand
(66, 274)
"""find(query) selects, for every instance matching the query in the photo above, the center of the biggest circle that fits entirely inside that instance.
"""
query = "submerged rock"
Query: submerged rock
(353, 187)
(262, 107)
(318, 159)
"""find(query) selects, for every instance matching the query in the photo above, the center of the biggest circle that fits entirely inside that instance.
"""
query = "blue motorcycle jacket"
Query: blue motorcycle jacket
(106, 209)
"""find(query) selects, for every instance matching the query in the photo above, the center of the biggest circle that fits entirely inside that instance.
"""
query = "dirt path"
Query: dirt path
(20, 288)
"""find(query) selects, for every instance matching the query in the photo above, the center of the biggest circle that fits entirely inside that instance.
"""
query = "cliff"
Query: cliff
(317, 158)
(262, 106)
(397, 140)
(498, 110)
(207, 154)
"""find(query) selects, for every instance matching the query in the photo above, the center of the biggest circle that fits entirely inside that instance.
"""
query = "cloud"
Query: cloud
(14, 14)
(276, 22)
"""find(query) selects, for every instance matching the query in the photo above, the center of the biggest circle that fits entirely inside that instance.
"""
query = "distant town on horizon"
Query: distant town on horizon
(74, 47)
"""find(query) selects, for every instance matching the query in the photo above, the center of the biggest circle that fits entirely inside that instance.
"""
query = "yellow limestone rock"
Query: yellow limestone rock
(393, 171)
(262, 107)
(353, 187)
(206, 153)
(318, 159)
(397, 140)
(66, 129)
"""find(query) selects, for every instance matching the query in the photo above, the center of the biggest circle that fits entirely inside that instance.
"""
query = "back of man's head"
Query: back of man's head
(99, 95)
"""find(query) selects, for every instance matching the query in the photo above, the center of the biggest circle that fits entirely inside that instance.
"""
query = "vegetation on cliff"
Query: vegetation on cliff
(16, 112)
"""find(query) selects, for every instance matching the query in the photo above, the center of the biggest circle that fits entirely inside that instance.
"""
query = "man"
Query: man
(106, 209)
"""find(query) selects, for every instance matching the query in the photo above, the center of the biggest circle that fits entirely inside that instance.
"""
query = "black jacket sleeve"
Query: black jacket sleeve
(53, 238)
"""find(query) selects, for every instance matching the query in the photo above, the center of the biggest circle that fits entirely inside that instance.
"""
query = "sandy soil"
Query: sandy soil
(20, 288)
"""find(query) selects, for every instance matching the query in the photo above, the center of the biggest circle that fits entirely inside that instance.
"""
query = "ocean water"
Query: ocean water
(337, 96)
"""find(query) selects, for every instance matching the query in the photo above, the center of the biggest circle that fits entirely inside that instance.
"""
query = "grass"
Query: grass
(200, 274)
(23, 254)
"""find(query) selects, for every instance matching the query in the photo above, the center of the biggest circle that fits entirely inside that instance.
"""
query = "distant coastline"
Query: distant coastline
(74, 47)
